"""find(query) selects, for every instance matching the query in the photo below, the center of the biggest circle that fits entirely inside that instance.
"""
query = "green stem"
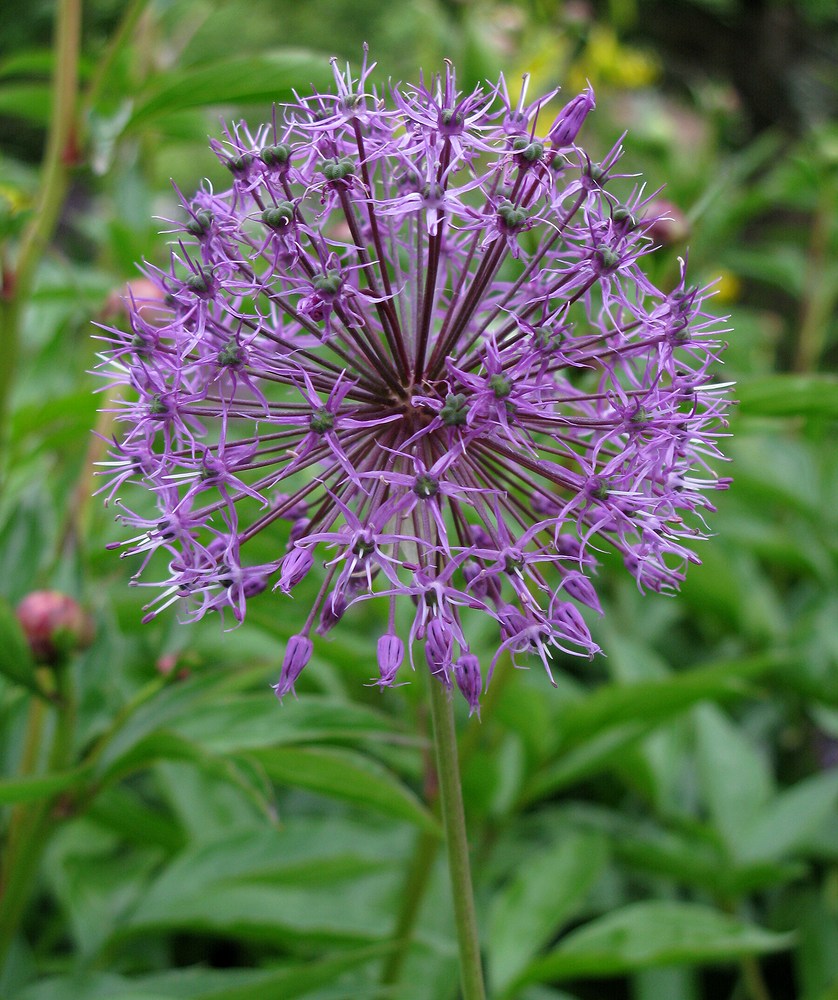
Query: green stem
(752, 977)
(33, 825)
(411, 901)
(59, 155)
(818, 301)
(454, 822)
(424, 853)
(29, 759)
(121, 37)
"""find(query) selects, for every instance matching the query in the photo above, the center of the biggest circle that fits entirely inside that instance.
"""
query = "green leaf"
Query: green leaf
(243, 722)
(658, 701)
(591, 757)
(597, 729)
(790, 818)
(123, 811)
(33, 62)
(267, 77)
(26, 100)
(544, 893)
(288, 981)
(298, 884)
(159, 745)
(809, 909)
(347, 775)
(41, 786)
(692, 857)
(643, 935)
(298, 979)
(788, 396)
(154, 710)
(96, 885)
(734, 776)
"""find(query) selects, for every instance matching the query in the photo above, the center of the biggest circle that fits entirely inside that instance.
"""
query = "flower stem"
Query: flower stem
(60, 154)
(34, 823)
(752, 977)
(411, 901)
(453, 818)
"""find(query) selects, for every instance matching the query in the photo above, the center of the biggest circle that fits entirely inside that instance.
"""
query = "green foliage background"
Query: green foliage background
(665, 823)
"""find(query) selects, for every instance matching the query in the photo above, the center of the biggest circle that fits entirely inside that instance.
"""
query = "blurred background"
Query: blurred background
(173, 833)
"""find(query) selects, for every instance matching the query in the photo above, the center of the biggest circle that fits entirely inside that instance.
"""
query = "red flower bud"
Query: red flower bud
(54, 625)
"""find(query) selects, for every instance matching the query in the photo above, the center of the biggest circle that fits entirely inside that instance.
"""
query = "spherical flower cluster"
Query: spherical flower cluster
(416, 330)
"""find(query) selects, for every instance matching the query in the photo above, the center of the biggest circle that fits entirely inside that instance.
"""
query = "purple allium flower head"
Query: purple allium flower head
(416, 332)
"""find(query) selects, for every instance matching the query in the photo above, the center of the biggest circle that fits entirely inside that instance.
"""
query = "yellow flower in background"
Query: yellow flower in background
(547, 63)
(605, 60)
(15, 206)
(728, 286)
(13, 201)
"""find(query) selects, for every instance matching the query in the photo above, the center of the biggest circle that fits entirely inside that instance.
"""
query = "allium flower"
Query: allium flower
(417, 330)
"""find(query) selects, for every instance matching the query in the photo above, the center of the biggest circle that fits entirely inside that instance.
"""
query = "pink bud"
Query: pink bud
(142, 296)
(54, 625)
(666, 223)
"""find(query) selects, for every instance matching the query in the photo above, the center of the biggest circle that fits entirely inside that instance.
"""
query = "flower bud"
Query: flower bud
(279, 216)
(578, 586)
(570, 119)
(200, 283)
(568, 619)
(239, 164)
(338, 169)
(199, 224)
(469, 681)
(439, 648)
(54, 625)
(297, 655)
(484, 585)
(295, 565)
(321, 420)
(142, 297)
(666, 223)
(299, 529)
(275, 156)
(455, 411)
(334, 608)
(390, 656)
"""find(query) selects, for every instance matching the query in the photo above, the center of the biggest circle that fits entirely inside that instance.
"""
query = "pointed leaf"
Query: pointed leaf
(599, 727)
(785, 823)
(657, 701)
(40, 786)
(243, 722)
(545, 892)
(643, 935)
(345, 774)
(788, 396)
(267, 77)
(734, 777)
